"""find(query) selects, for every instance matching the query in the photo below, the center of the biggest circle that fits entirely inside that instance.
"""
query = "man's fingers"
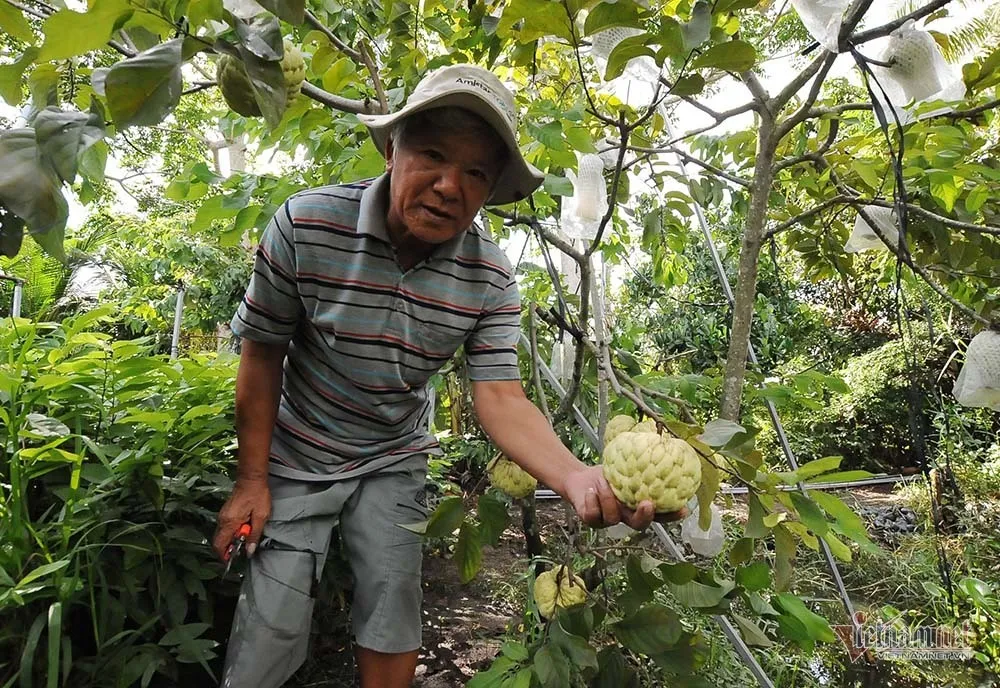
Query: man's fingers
(610, 507)
(591, 508)
(669, 517)
(641, 517)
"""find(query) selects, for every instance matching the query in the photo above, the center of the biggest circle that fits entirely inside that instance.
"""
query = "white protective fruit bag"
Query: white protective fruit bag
(582, 212)
(978, 383)
(822, 19)
(864, 238)
(918, 73)
(706, 543)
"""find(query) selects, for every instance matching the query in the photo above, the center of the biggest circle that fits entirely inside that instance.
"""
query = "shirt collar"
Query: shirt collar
(374, 209)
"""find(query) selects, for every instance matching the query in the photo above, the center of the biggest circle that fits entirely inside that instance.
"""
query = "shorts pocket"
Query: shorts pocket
(280, 591)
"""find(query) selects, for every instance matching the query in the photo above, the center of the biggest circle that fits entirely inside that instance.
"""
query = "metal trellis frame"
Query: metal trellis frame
(15, 308)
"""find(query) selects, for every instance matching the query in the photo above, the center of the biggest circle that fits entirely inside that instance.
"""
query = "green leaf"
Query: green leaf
(811, 469)
(944, 189)
(69, 33)
(609, 14)
(707, 489)
(468, 552)
(446, 517)
(700, 595)
(688, 85)
(817, 627)
(784, 557)
(976, 198)
(42, 571)
(629, 49)
(522, 679)
(718, 432)
(733, 5)
(339, 75)
(540, 18)
(12, 74)
(613, 672)
(733, 56)
(755, 527)
(752, 633)
(837, 546)
(842, 476)
(869, 175)
(11, 233)
(809, 513)
(291, 11)
(847, 522)
(14, 23)
(55, 633)
(30, 648)
(515, 651)
(492, 518)
(741, 551)
(551, 667)
(268, 81)
(579, 138)
(650, 630)
(144, 89)
(756, 576)
(31, 190)
(550, 135)
(46, 426)
(63, 136)
(576, 648)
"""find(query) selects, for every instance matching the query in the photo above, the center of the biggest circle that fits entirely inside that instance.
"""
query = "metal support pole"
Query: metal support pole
(175, 340)
(15, 309)
(668, 542)
(771, 410)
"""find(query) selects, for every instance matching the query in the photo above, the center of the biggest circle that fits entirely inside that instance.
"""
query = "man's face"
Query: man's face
(438, 184)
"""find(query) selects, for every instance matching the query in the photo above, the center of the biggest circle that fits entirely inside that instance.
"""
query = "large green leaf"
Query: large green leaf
(63, 136)
(468, 552)
(847, 522)
(629, 49)
(576, 648)
(613, 672)
(752, 633)
(809, 513)
(609, 14)
(650, 630)
(11, 232)
(30, 188)
(14, 24)
(446, 517)
(144, 89)
(291, 11)
(551, 667)
(696, 594)
(492, 518)
(69, 33)
(12, 74)
(817, 627)
(261, 36)
(733, 56)
(536, 18)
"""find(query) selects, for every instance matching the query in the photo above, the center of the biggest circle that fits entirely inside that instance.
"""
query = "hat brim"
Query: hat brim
(518, 179)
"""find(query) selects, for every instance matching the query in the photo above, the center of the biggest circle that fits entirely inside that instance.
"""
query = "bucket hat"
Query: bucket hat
(480, 91)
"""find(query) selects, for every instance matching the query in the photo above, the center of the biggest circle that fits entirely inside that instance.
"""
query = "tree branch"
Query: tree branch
(800, 80)
(803, 216)
(831, 137)
(886, 29)
(718, 172)
(802, 113)
(337, 102)
(369, 60)
(947, 221)
(314, 22)
(625, 132)
(547, 234)
(973, 112)
(536, 377)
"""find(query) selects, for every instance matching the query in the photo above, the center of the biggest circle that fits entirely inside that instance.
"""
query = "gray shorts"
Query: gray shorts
(270, 634)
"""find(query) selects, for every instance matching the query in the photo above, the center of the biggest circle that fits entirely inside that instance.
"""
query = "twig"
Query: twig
(369, 60)
(199, 86)
(313, 21)
(536, 377)
(625, 132)
(830, 138)
(700, 163)
(973, 112)
(337, 102)
(803, 216)
(546, 233)
(886, 29)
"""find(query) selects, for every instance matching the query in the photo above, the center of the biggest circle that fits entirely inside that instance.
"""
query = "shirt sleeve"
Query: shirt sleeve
(491, 348)
(271, 307)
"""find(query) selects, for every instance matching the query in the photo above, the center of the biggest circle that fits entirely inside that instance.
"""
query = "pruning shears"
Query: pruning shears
(239, 541)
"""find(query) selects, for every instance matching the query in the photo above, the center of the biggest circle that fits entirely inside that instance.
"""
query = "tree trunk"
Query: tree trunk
(746, 284)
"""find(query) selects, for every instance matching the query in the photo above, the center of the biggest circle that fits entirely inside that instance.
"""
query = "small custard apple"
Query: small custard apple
(623, 423)
(237, 90)
(645, 465)
(511, 478)
(558, 588)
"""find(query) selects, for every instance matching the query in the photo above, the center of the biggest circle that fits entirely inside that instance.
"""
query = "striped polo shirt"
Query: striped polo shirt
(365, 336)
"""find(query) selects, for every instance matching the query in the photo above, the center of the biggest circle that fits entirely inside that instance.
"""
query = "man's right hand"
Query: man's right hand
(249, 503)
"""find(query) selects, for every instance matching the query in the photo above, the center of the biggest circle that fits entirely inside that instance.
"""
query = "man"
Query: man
(360, 293)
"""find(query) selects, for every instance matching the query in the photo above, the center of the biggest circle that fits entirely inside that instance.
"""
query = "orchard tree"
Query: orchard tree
(115, 80)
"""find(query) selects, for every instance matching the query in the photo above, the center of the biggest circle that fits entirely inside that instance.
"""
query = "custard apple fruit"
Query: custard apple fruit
(238, 91)
(645, 465)
(234, 82)
(511, 478)
(648, 425)
(558, 588)
(617, 426)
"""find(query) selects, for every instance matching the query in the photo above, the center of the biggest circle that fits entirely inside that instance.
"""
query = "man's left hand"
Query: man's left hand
(596, 505)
